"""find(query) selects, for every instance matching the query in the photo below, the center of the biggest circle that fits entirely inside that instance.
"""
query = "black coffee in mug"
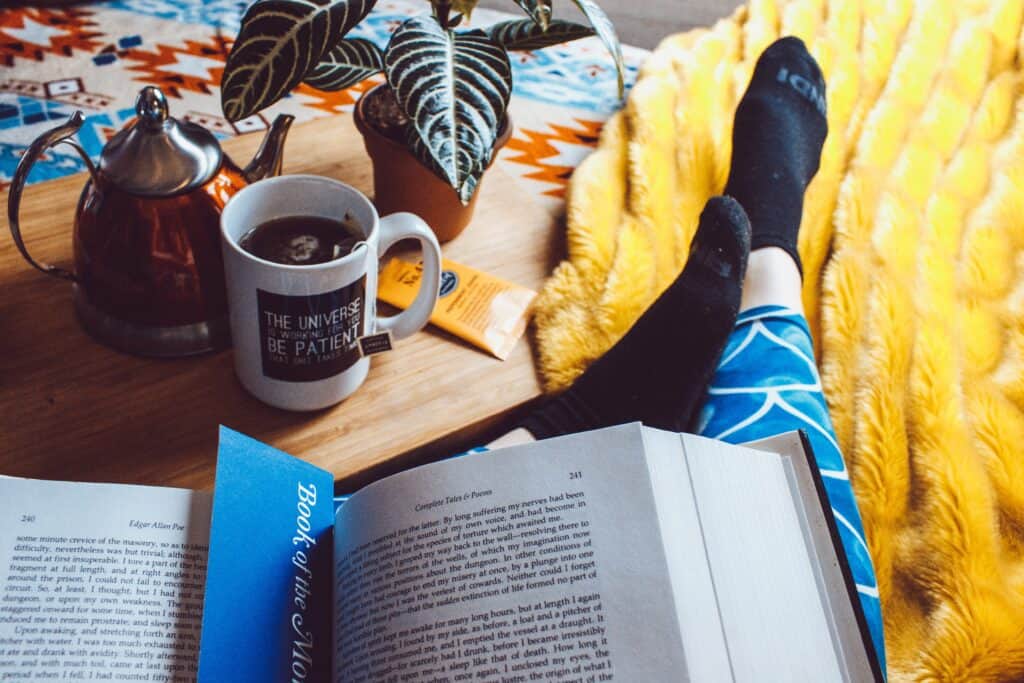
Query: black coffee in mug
(302, 240)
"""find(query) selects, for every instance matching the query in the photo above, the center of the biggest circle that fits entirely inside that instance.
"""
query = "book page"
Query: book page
(100, 581)
(700, 622)
(847, 623)
(771, 609)
(534, 562)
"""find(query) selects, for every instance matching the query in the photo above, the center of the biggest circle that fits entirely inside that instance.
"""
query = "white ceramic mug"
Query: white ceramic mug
(295, 328)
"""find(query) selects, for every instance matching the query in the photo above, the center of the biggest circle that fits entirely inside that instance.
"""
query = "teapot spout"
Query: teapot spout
(270, 156)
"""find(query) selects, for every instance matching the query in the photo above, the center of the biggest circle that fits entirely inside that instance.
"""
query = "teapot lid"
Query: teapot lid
(157, 155)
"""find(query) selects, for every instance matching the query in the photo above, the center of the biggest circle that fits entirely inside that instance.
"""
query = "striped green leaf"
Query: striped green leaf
(524, 34)
(538, 10)
(279, 43)
(606, 32)
(350, 62)
(455, 88)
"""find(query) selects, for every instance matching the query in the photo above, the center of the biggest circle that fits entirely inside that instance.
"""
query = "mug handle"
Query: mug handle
(55, 136)
(400, 226)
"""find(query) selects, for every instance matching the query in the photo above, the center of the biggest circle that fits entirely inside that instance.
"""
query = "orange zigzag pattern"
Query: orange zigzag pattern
(76, 26)
(151, 64)
(534, 146)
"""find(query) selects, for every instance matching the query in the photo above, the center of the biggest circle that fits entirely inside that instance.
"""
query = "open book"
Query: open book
(623, 554)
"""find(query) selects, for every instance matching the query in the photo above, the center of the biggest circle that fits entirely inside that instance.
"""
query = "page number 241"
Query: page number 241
(575, 475)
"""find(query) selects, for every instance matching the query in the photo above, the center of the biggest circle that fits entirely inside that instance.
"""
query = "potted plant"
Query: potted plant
(433, 128)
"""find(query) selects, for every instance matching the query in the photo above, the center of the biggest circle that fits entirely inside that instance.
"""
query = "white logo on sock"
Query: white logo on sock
(804, 87)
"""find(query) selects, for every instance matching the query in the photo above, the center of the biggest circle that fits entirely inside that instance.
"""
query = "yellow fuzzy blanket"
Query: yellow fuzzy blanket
(913, 251)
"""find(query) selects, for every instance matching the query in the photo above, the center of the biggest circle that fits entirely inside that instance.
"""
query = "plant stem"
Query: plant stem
(441, 11)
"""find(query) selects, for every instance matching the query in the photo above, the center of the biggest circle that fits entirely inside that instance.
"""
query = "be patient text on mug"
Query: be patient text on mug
(311, 337)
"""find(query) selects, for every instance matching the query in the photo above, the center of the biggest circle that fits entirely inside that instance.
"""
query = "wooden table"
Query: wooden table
(73, 409)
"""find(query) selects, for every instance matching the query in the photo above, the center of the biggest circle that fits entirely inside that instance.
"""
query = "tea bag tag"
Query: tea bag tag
(372, 344)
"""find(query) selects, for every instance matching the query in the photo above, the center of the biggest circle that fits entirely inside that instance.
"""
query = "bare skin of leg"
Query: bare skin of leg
(513, 438)
(772, 279)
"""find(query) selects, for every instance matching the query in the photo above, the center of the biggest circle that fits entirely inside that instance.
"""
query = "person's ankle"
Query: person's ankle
(773, 279)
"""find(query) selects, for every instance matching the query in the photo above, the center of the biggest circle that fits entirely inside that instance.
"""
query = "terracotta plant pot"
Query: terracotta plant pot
(402, 183)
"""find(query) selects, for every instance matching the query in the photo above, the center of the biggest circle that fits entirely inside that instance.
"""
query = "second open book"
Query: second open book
(624, 554)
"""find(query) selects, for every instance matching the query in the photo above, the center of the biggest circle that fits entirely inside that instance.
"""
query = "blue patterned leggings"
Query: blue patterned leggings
(767, 383)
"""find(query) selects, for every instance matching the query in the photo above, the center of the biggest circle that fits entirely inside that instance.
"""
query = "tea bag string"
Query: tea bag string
(352, 250)
(371, 256)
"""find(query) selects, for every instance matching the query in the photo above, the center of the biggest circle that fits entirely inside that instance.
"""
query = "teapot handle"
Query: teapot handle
(48, 139)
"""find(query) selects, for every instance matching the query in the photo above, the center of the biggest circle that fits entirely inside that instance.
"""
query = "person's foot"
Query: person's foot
(659, 371)
(777, 137)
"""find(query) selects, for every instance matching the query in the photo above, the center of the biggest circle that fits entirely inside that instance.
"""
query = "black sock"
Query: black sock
(777, 137)
(658, 372)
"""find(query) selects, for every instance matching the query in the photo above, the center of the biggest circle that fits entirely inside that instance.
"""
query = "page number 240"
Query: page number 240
(28, 519)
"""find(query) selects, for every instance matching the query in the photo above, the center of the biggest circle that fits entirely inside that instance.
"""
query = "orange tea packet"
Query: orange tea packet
(473, 305)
